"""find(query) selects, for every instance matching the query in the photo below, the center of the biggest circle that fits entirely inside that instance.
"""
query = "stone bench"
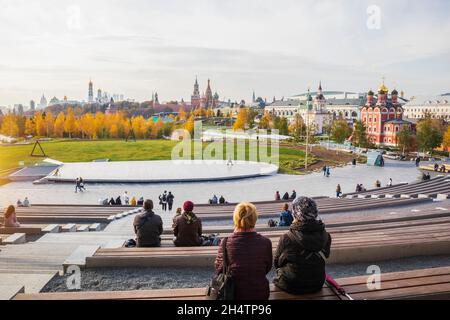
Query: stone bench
(417, 284)
(26, 230)
(71, 227)
(16, 238)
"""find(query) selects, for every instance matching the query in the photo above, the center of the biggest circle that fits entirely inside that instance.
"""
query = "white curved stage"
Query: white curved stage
(160, 171)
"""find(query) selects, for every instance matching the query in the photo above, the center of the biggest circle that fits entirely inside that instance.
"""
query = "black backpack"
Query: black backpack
(222, 285)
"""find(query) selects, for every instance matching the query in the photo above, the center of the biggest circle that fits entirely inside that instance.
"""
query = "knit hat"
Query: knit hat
(188, 206)
(305, 209)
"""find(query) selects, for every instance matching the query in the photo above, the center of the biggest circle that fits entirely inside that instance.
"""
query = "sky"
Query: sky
(275, 47)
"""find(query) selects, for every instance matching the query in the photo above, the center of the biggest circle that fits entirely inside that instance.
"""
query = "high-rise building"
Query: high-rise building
(91, 92)
(43, 102)
(99, 95)
(32, 105)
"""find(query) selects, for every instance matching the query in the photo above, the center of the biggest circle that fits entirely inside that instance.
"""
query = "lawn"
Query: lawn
(116, 150)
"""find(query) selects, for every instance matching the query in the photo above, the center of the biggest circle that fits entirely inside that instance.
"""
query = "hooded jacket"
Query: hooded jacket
(300, 258)
(148, 228)
(187, 230)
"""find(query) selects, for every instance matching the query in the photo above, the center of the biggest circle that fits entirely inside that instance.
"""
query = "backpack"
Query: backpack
(307, 254)
(222, 285)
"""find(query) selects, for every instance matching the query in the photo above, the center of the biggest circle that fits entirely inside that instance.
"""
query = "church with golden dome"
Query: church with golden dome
(383, 117)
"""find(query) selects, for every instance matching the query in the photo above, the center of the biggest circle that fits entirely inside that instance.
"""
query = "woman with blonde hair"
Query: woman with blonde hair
(249, 256)
(10, 219)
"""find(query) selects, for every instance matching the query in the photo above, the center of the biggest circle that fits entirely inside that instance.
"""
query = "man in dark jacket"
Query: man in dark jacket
(301, 253)
(188, 228)
(148, 227)
(170, 198)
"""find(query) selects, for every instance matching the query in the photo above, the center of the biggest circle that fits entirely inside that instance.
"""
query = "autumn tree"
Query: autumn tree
(30, 127)
(58, 128)
(405, 140)
(189, 125)
(70, 124)
(264, 123)
(360, 135)
(340, 131)
(241, 120)
(9, 125)
(429, 135)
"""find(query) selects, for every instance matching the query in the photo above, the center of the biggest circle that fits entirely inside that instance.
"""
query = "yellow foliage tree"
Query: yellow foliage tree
(241, 120)
(70, 124)
(58, 128)
(9, 125)
(30, 127)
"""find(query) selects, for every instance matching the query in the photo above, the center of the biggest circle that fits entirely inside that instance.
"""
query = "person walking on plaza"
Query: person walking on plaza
(418, 161)
(77, 185)
(81, 185)
(249, 256)
(390, 182)
(328, 172)
(338, 191)
(300, 257)
(163, 201)
(324, 169)
(148, 227)
(170, 198)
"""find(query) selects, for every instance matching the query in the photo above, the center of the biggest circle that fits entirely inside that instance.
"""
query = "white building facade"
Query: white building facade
(435, 107)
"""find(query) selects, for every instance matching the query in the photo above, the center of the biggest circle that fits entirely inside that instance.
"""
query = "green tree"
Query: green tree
(405, 140)
(281, 124)
(340, 131)
(429, 135)
(360, 135)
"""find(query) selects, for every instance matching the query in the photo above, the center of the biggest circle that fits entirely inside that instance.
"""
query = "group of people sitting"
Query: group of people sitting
(24, 203)
(299, 259)
(215, 200)
(442, 168)
(187, 228)
(286, 196)
(426, 176)
(122, 200)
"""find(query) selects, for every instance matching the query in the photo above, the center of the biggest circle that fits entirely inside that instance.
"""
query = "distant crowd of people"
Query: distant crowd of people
(299, 258)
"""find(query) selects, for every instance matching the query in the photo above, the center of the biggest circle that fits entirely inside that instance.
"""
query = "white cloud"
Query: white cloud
(277, 47)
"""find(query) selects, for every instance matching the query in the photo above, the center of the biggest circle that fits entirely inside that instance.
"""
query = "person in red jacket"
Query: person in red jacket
(249, 255)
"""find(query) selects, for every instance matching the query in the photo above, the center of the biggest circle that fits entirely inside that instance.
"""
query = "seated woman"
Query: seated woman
(286, 217)
(249, 256)
(133, 202)
(301, 253)
(10, 220)
(188, 228)
(178, 213)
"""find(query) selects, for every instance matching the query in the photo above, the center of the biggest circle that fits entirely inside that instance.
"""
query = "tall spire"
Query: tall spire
(320, 86)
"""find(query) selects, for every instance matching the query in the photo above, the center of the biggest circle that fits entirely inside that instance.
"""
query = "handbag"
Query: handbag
(222, 285)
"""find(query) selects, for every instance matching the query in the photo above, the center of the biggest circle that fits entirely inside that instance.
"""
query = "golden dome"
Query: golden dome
(383, 88)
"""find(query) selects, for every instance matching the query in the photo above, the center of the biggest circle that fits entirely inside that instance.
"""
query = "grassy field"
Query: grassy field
(117, 150)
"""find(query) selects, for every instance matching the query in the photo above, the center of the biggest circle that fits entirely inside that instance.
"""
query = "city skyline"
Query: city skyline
(274, 48)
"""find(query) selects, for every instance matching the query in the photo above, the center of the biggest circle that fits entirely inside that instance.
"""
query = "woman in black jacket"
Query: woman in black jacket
(301, 253)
